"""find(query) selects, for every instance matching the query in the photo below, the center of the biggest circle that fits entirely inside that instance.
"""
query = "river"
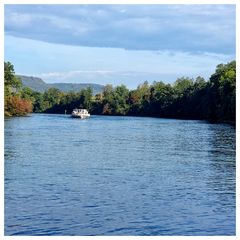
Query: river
(118, 176)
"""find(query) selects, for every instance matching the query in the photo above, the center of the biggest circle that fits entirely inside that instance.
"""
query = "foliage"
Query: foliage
(114, 100)
(14, 104)
(186, 98)
(222, 92)
(10, 80)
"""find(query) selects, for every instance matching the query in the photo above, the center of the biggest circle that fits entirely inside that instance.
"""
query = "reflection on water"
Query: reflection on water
(118, 176)
(223, 165)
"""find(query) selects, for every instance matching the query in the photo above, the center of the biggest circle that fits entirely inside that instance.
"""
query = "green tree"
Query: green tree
(52, 96)
(11, 83)
(161, 98)
(183, 86)
(139, 100)
(222, 92)
(120, 104)
(14, 104)
(108, 99)
(85, 98)
(27, 93)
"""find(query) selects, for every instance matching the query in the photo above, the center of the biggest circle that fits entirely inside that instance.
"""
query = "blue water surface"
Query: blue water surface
(118, 176)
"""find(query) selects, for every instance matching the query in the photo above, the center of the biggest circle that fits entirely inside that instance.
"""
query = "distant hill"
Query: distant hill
(37, 84)
(76, 87)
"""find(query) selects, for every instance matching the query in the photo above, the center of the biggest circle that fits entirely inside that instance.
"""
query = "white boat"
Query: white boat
(80, 113)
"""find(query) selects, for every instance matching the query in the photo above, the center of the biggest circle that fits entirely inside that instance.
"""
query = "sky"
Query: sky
(118, 44)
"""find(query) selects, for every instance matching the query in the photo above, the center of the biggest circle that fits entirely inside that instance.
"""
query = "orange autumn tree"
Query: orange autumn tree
(16, 106)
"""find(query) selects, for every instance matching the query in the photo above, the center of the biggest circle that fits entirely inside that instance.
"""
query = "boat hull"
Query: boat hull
(80, 116)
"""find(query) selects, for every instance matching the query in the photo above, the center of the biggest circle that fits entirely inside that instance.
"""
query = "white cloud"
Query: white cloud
(20, 20)
(71, 74)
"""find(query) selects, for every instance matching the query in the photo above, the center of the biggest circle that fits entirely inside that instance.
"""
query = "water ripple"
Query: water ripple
(118, 176)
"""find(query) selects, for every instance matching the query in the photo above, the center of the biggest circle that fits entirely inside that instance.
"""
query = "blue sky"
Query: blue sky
(118, 43)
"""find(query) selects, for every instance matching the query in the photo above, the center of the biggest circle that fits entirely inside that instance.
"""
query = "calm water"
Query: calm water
(118, 176)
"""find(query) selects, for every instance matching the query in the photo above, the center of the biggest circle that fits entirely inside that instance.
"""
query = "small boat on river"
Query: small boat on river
(80, 113)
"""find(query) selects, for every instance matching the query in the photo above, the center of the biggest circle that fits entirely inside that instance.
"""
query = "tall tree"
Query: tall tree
(14, 105)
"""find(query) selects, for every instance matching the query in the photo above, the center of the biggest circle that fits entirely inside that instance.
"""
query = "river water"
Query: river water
(118, 176)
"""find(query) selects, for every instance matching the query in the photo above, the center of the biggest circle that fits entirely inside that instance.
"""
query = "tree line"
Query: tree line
(186, 98)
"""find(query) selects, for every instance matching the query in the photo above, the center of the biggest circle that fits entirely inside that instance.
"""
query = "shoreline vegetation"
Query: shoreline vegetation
(213, 100)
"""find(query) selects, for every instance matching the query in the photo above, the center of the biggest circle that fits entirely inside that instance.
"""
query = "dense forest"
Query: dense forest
(186, 98)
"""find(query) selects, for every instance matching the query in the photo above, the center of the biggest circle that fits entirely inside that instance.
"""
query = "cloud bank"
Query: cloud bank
(190, 28)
